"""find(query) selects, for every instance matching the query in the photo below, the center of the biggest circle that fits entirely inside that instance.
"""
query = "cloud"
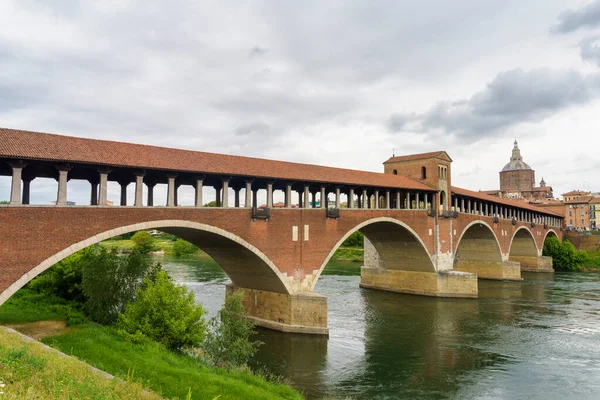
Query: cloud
(257, 129)
(258, 51)
(587, 16)
(511, 98)
(589, 48)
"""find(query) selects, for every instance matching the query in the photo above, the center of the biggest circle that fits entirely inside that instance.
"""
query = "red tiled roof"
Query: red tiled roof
(580, 200)
(18, 144)
(506, 202)
(412, 157)
(574, 192)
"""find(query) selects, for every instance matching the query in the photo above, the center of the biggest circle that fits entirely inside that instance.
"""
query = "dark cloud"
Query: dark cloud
(589, 48)
(511, 98)
(587, 16)
(258, 51)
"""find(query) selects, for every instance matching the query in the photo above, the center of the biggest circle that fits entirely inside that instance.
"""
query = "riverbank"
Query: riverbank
(151, 365)
(161, 245)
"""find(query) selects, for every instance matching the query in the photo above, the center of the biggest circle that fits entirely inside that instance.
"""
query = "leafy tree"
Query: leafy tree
(357, 239)
(144, 242)
(183, 248)
(110, 281)
(164, 312)
(4, 202)
(228, 342)
(210, 204)
(63, 279)
(565, 257)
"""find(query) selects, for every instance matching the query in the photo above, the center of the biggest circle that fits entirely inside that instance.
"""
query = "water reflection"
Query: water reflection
(533, 339)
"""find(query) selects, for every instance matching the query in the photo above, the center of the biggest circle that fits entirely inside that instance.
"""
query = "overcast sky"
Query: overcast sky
(339, 83)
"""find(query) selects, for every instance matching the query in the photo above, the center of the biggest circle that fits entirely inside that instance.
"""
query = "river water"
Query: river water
(536, 339)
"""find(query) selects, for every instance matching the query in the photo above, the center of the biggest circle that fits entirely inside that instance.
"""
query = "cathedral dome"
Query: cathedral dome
(516, 161)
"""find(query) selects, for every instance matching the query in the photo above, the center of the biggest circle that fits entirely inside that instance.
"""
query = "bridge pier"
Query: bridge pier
(494, 270)
(534, 264)
(305, 312)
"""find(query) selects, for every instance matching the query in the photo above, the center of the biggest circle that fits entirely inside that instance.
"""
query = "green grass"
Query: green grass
(348, 254)
(126, 246)
(169, 374)
(30, 371)
(162, 371)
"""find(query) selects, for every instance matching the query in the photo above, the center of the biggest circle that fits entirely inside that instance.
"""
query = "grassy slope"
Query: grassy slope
(160, 370)
(30, 371)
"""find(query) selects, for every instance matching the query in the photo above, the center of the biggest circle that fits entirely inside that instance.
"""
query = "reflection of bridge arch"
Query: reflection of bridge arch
(478, 242)
(399, 247)
(523, 244)
(246, 266)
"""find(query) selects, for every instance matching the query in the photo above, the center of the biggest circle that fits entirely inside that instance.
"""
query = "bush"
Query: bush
(110, 282)
(183, 248)
(357, 239)
(164, 312)
(63, 279)
(228, 340)
(565, 257)
(144, 242)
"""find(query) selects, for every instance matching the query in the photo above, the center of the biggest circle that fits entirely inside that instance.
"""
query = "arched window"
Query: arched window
(395, 172)
(423, 173)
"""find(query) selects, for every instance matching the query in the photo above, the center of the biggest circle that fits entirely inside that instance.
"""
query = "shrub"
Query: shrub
(357, 239)
(228, 342)
(144, 242)
(183, 248)
(565, 257)
(63, 279)
(164, 312)
(110, 282)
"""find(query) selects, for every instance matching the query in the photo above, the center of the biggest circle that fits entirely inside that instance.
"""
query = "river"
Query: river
(536, 339)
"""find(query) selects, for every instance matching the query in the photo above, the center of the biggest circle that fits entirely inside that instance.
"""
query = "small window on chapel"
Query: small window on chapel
(395, 172)
(423, 173)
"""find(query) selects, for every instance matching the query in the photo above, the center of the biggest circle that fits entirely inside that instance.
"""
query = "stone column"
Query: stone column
(417, 201)
(288, 195)
(171, 190)
(217, 196)
(313, 196)
(198, 191)
(225, 203)
(61, 198)
(236, 197)
(269, 194)
(426, 206)
(365, 199)
(150, 198)
(248, 201)
(323, 198)
(123, 192)
(306, 201)
(26, 190)
(387, 199)
(15, 188)
(103, 189)
(398, 197)
(255, 198)
(139, 187)
(337, 197)
(351, 198)
(376, 199)
(94, 194)
(408, 203)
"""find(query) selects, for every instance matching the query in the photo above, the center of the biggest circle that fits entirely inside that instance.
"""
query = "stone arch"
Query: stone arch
(548, 233)
(523, 244)
(391, 238)
(478, 243)
(245, 264)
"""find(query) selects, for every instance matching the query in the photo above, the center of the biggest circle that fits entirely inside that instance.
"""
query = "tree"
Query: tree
(164, 312)
(210, 204)
(110, 281)
(565, 257)
(144, 242)
(228, 341)
(183, 248)
(63, 279)
(357, 239)
(4, 202)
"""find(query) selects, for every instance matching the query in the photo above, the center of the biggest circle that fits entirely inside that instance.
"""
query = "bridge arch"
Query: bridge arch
(245, 264)
(523, 244)
(478, 242)
(550, 232)
(398, 245)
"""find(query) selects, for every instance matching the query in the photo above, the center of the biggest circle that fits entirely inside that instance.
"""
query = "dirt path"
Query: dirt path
(41, 329)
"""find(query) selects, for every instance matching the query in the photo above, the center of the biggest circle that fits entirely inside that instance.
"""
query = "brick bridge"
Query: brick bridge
(422, 235)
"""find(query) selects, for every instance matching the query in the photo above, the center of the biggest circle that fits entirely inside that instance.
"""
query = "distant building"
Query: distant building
(517, 180)
(574, 194)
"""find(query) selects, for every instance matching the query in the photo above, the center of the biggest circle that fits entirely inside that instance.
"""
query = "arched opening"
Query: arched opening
(395, 172)
(423, 173)
(389, 244)
(244, 264)
(478, 243)
(523, 244)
